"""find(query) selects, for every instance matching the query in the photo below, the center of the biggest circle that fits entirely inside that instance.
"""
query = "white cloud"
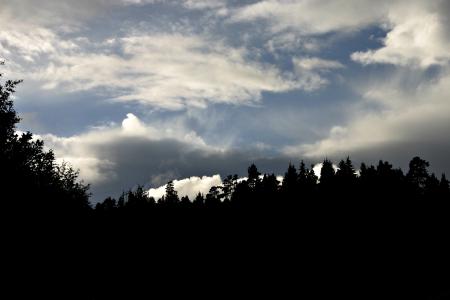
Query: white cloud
(311, 70)
(168, 71)
(92, 169)
(61, 15)
(406, 116)
(314, 63)
(189, 186)
(171, 71)
(312, 16)
(205, 4)
(27, 45)
(418, 36)
(417, 30)
(291, 42)
(180, 71)
(193, 185)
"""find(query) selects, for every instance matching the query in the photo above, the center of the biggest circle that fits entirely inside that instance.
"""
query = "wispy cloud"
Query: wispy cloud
(312, 17)
(168, 71)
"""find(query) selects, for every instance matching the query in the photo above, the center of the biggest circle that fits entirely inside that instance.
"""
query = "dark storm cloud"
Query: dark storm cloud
(116, 158)
(154, 163)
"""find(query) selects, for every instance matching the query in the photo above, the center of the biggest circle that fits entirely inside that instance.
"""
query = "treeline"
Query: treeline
(301, 184)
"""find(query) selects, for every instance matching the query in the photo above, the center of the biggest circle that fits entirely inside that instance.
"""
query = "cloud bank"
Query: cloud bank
(115, 158)
(189, 186)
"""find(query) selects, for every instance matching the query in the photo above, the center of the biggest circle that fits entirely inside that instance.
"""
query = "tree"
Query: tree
(199, 201)
(25, 163)
(346, 170)
(302, 175)
(311, 182)
(269, 188)
(107, 206)
(241, 194)
(307, 180)
(213, 197)
(327, 173)
(444, 187)
(171, 197)
(138, 200)
(185, 202)
(418, 173)
(253, 177)
(229, 185)
(290, 183)
(8, 116)
(312, 177)
(346, 178)
(432, 186)
(121, 201)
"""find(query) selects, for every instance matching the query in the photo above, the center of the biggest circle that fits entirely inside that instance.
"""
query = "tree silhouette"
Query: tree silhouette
(213, 197)
(253, 177)
(345, 178)
(444, 186)
(199, 201)
(270, 189)
(302, 174)
(171, 197)
(289, 187)
(31, 180)
(229, 185)
(327, 178)
(185, 202)
(418, 173)
(346, 171)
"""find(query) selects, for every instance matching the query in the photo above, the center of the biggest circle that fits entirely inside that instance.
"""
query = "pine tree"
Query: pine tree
(253, 177)
(171, 197)
(327, 172)
(444, 186)
(290, 184)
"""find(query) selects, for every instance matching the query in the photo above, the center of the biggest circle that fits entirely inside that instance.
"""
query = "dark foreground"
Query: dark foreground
(320, 250)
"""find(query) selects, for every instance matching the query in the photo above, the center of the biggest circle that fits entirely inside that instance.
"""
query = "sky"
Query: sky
(146, 91)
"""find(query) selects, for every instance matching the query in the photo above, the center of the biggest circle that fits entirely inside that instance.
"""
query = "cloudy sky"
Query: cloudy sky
(145, 91)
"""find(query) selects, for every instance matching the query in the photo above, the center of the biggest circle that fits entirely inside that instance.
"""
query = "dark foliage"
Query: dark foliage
(31, 181)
